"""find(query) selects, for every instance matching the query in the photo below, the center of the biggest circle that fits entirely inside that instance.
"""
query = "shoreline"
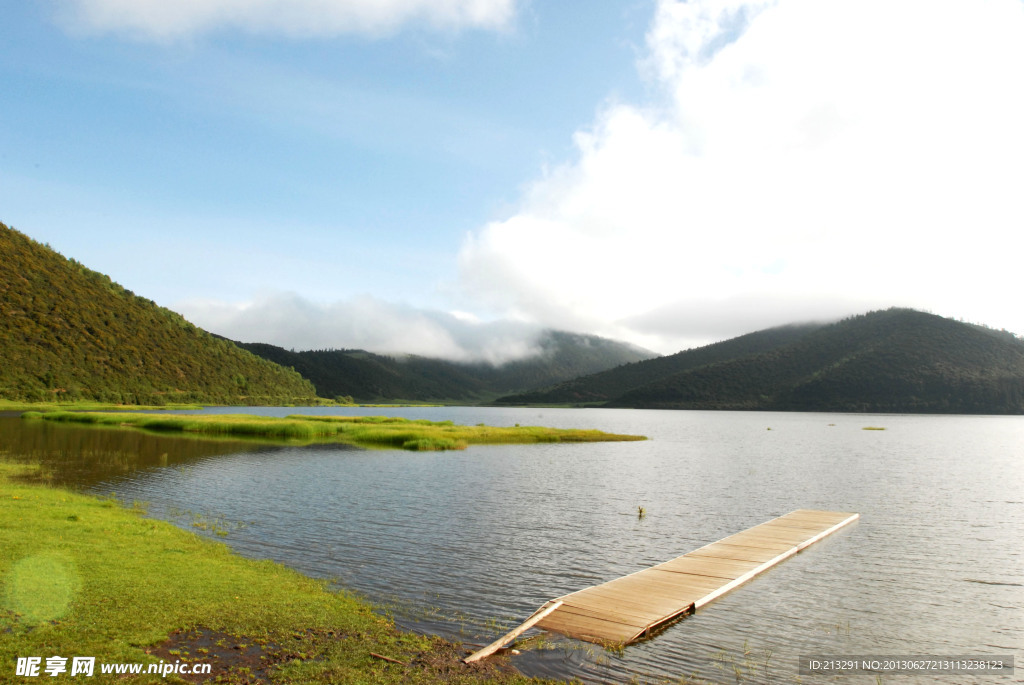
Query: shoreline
(87, 576)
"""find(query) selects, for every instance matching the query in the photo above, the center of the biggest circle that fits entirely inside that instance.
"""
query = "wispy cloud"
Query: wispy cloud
(291, 321)
(803, 158)
(167, 20)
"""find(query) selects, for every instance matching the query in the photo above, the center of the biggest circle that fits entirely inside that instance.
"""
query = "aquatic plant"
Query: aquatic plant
(749, 668)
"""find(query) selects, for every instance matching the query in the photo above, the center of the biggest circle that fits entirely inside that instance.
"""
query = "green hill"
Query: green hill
(609, 385)
(369, 377)
(897, 360)
(69, 333)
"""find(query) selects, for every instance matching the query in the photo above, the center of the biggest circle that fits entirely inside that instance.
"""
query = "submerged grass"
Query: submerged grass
(376, 431)
(82, 576)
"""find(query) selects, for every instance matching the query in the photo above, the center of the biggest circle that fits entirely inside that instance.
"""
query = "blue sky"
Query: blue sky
(431, 177)
(372, 154)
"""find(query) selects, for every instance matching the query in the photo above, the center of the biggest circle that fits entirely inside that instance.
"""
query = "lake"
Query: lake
(467, 544)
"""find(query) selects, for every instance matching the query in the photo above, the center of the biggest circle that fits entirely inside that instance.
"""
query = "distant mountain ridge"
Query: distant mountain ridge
(897, 360)
(70, 333)
(367, 377)
(608, 385)
(67, 332)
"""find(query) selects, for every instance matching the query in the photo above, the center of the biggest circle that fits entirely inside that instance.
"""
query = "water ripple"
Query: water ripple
(492, 532)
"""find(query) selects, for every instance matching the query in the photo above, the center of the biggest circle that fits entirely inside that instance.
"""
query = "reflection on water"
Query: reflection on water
(80, 456)
(472, 542)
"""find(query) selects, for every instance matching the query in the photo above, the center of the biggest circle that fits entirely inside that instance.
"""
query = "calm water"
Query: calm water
(470, 543)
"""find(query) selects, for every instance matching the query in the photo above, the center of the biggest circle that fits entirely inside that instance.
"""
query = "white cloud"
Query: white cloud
(175, 19)
(806, 157)
(293, 322)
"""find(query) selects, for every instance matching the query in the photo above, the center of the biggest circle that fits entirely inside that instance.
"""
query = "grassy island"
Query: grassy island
(370, 431)
(82, 576)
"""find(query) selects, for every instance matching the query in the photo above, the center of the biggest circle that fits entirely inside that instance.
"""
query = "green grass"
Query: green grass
(83, 576)
(373, 431)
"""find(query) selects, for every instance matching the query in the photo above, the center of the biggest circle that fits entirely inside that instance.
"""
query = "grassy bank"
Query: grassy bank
(83, 576)
(374, 431)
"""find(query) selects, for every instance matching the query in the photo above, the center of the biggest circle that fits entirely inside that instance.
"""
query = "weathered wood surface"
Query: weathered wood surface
(627, 608)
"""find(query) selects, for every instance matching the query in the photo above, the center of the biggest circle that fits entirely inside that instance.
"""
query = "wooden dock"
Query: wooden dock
(629, 608)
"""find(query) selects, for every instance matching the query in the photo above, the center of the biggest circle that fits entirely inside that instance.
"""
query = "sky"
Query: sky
(450, 177)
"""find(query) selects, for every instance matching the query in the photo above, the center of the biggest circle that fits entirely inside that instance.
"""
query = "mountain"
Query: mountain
(897, 360)
(608, 385)
(67, 332)
(369, 377)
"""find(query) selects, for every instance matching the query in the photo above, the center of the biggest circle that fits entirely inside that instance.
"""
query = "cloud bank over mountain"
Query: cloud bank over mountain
(291, 321)
(800, 159)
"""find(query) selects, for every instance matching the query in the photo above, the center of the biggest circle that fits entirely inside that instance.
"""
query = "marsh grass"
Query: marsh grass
(750, 666)
(373, 431)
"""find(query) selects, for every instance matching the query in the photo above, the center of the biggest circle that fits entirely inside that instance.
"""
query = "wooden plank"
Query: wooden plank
(727, 551)
(767, 539)
(779, 532)
(681, 577)
(653, 601)
(624, 609)
(764, 540)
(665, 597)
(602, 628)
(787, 534)
(591, 629)
(718, 576)
(664, 584)
(664, 600)
(640, 615)
(537, 617)
(801, 522)
(709, 566)
(633, 622)
(625, 592)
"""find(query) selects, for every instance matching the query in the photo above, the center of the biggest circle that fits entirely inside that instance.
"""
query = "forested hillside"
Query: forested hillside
(369, 377)
(898, 360)
(67, 332)
(609, 385)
